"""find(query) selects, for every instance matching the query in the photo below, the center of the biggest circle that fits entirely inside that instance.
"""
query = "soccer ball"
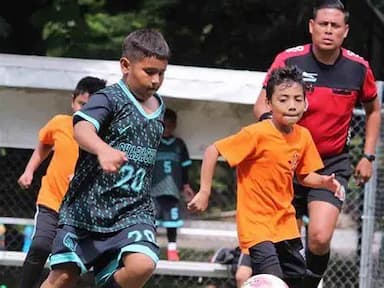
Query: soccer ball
(264, 281)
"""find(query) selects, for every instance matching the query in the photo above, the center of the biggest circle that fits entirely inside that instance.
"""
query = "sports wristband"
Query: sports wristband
(266, 115)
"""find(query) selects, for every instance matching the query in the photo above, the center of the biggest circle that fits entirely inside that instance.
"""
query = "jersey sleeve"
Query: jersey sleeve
(310, 160)
(96, 111)
(369, 89)
(237, 147)
(185, 160)
(46, 133)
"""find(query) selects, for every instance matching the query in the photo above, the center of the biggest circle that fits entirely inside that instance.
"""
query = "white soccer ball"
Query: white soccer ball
(264, 281)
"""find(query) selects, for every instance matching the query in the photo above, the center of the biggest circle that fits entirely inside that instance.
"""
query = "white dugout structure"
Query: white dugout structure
(211, 103)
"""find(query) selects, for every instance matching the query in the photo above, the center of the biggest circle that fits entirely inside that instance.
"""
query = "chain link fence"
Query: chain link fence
(357, 258)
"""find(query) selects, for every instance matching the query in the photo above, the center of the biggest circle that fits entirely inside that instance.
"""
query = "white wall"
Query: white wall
(24, 111)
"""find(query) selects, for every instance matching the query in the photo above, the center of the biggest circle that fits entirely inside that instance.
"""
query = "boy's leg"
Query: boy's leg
(44, 233)
(244, 269)
(265, 260)
(63, 276)
(135, 260)
(67, 260)
(171, 220)
(292, 262)
(133, 275)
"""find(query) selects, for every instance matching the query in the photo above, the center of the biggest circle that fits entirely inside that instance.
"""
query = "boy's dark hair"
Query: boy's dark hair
(170, 115)
(333, 4)
(145, 43)
(89, 84)
(288, 74)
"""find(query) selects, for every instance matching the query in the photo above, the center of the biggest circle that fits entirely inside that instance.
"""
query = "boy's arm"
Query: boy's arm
(199, 203)
(328, 182)
(110, 159)
(39, 154)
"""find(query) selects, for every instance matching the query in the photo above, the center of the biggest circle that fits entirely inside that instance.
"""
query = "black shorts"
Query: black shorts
(102, 251)
(341, 166)
(45, 224)
(244, 260)
(276, 258)
(168, 212)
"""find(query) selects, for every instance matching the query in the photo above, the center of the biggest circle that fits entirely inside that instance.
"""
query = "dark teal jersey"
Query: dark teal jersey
(107, 202)
(171, 159)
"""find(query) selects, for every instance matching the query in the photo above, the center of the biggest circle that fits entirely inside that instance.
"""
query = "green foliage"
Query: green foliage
(87, 28)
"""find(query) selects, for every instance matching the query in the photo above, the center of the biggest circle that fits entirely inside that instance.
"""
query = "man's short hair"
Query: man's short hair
(331, 4)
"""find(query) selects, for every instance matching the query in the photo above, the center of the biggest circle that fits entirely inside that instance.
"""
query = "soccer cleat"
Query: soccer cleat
(173, 255)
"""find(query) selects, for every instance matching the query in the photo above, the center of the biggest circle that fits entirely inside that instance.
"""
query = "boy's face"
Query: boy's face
(287, 104)
(143, 77)
(169, 128)
(79, 101)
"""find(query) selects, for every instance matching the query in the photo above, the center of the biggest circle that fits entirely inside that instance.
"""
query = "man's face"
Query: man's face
(328, 29)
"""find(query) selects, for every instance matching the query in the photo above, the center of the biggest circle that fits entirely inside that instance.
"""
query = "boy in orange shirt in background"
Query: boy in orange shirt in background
(267, 156)
(56, 135)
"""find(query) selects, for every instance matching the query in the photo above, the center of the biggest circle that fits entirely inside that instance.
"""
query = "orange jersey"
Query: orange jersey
(58, 132)
(266, 161)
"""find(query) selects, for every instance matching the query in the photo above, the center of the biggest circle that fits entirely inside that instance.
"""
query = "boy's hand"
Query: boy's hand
(333, 185)
(111, 159)
(199, 203)
(188, 192)
(25, 180)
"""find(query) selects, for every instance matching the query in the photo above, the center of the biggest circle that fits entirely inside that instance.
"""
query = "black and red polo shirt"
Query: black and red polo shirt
(333, 92)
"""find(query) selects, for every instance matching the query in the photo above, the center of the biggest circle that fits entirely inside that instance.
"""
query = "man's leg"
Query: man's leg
(320, 232)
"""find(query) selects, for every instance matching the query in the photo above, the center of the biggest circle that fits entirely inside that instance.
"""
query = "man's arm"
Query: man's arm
(372, 127)
(261, 107)
(39, 155)
(363, 169)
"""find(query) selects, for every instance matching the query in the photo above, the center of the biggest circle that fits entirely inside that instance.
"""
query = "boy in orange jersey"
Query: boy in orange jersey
(56, 135)
(267, 156)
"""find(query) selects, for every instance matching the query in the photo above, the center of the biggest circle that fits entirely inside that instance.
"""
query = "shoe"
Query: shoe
(173, 255)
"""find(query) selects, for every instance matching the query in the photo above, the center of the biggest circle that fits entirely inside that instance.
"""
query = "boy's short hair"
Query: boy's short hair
(145, 43)
(170, 115)
(288, 74)
(89, 85)
(333, 4)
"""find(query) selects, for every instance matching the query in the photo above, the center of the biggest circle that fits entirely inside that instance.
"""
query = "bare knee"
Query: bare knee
(132, 274)
(62, 278)
(319, 242)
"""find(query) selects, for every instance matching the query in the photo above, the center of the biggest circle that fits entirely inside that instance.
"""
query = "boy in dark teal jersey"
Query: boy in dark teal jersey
(170, 176)
(107, 220)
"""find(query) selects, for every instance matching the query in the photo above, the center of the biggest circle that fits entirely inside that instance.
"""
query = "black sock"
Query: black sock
(172, 235)
(111, 283)
(33, 267)
(317, 264)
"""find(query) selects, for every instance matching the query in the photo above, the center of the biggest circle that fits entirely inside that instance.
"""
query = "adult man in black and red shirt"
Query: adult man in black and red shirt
(337, 79)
